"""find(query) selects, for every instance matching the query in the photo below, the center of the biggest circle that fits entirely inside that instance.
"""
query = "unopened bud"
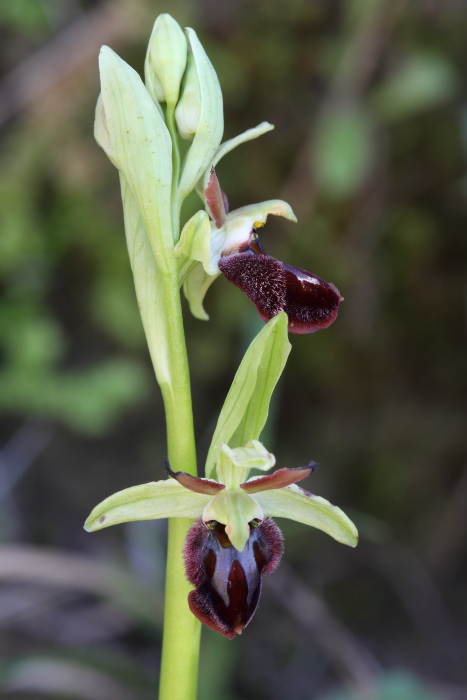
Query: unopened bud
(188, 108)
(166, 60)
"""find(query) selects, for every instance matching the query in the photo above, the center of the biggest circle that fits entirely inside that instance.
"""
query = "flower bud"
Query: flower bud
(166, 60)
(187, 112)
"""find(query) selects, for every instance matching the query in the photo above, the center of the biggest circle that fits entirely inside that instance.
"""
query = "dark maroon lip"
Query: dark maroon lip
(228, 582)
(310, 302)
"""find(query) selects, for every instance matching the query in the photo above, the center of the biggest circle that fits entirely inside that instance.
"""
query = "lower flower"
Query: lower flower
(233, 541)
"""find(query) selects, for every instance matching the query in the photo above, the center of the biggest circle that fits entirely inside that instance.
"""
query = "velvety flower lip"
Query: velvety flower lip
(227, 582)
(310, 303)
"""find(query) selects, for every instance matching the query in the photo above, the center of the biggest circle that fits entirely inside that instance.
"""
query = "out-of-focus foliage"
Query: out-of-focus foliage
(368, 98)
(393, 686)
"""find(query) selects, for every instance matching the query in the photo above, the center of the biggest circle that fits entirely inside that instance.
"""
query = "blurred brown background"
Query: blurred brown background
(369, 102)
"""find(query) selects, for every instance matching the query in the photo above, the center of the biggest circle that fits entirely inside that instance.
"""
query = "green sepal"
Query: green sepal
(211, 120)
(195, 286)
(132, 132)
(158, 499)
(246, 407)
(294, 503)
(228, 146)
(234, 465)
(200, 243)
(235, 510)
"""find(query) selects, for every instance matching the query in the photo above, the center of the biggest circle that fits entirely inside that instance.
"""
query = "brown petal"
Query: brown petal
(194, 483)
(216, 199)
(279, 479)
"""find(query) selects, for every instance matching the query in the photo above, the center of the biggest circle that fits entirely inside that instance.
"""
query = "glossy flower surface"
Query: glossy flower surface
(233, 541)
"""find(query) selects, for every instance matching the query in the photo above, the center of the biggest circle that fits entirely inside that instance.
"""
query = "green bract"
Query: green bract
(245, 410)
(239, 500)
(188, 111)
(132, 132)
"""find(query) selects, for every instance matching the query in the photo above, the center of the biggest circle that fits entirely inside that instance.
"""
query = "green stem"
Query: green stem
(182, 631)
(181, 636)
(180, 646)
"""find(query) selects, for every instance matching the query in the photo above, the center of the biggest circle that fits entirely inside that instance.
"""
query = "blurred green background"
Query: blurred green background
(369, 102)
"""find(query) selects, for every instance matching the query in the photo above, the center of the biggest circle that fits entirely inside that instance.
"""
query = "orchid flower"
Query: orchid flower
(233, 540)
(218, 241)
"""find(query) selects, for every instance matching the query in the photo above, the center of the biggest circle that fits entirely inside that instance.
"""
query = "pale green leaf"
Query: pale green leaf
(294, 503)
(211, 120)
(131, 130)
(246, 407)
(149, 290)
(158, 499)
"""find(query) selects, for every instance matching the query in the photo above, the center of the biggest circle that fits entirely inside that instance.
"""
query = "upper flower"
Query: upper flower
(228, 242)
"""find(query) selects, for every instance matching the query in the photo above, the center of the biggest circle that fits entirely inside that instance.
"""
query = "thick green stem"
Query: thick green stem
(180, 647)
(158, 295)
(181, 637)
(182, 630)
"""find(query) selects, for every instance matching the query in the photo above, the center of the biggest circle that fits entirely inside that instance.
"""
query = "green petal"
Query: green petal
(234, 465)
(211, 120)
(235, 511)
(238, 226)
(259, 212)
(246, 407)
(158, 499)
(294, 503)
(130, 129)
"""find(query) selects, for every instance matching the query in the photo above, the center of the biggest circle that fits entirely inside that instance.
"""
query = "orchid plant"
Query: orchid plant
(222, 538)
